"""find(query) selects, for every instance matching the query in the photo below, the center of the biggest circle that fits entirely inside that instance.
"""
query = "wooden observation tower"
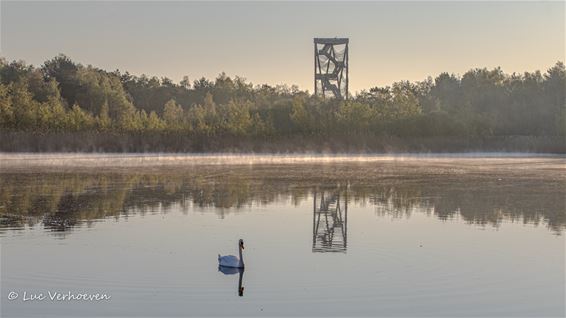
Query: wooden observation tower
(331, 67)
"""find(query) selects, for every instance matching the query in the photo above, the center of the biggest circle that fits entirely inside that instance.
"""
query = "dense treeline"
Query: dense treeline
(62, 96)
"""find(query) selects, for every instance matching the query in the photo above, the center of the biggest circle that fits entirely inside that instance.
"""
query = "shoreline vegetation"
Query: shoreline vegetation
(63, 106)
(97, 142)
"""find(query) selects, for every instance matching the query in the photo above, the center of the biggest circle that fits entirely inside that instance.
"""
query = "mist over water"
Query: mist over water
(8, 160)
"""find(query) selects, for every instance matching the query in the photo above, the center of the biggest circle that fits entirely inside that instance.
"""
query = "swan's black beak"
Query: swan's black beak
(242, 246)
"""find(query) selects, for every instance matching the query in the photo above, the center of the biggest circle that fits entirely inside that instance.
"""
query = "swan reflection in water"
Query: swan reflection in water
(231, 271)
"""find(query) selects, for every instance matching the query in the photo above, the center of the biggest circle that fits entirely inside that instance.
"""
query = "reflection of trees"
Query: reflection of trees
(532, 203)
(60, 201)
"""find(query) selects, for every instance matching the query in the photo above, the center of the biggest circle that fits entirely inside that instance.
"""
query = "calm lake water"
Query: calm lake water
(324, 236)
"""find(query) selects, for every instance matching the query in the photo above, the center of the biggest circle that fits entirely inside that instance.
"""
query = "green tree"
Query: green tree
(355, 117)
(104, 122)
(299, 114)
(79, 119)
(154, 123)
(24, 106)
(6, 110)
(237, 120)
(173, 115)
(63, 70)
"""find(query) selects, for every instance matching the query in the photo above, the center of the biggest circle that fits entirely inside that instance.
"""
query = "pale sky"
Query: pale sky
(272, 42)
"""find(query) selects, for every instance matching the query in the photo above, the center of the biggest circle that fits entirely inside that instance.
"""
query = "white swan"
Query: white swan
(231, 260)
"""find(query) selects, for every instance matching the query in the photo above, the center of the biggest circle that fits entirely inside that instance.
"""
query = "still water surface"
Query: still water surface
(446, 236)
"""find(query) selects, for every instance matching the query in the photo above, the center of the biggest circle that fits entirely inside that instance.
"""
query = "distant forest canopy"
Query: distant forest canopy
(63, 96)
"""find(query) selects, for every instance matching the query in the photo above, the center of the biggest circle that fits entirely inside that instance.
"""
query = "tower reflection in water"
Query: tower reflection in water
(330, 221)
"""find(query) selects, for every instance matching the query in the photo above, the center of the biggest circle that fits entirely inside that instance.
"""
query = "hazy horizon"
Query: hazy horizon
(271, 42)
